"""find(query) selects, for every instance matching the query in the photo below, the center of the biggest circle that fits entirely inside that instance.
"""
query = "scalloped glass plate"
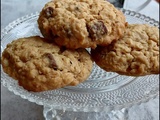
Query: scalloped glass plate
(103, 91)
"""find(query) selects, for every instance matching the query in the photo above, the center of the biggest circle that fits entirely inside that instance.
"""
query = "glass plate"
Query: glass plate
(103, 91)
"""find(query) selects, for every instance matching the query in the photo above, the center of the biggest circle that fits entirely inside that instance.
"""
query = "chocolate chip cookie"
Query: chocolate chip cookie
(39, 65)
(136, 54)
(81, 23)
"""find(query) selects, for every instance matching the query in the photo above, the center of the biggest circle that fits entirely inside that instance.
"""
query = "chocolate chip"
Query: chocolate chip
(49, 12)
(62, 49)
(51, 61)
(96, 29)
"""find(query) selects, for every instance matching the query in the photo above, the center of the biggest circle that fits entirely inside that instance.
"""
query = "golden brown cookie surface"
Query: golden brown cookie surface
(40, 66)
(81, 23)
(136, 54)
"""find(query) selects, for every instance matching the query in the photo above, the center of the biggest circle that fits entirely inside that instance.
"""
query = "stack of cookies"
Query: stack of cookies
(69, 27)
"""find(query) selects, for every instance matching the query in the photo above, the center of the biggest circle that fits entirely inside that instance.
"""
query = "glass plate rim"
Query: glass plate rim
(85, 109)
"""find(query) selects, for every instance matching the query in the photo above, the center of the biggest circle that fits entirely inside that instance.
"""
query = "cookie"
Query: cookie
(81, 23)
(136, 54)
(39, 65)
